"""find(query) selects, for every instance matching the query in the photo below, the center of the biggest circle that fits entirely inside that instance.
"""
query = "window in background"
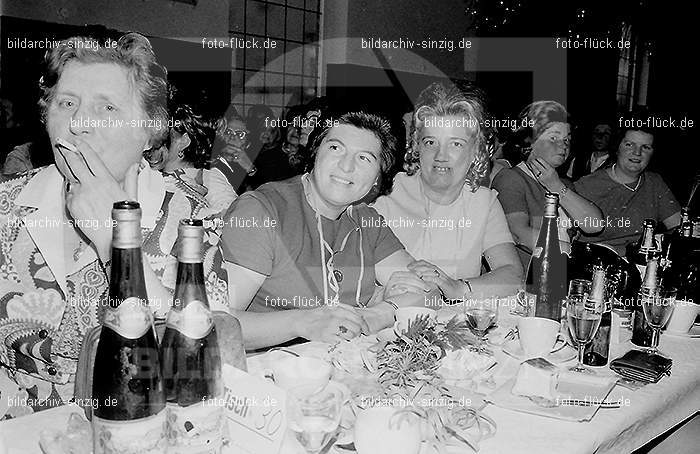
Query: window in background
(286, 74)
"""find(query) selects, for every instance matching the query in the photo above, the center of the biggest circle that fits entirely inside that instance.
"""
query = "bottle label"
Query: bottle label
(194, 321)
(196, 429)
(138, 436)
(132, 319)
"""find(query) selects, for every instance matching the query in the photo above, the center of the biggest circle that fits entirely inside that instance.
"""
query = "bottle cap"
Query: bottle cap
(551, 203)
(126, 233)
(190, 239)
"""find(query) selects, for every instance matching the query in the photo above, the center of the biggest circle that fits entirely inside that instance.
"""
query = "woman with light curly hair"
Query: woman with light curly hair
(545, 145)
(438, 209)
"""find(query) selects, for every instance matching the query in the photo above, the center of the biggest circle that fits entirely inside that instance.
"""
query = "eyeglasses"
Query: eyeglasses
(565, 142)
(240, 134)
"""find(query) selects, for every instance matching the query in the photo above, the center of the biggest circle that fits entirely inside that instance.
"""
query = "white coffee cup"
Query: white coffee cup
(379, 430)
(538, 335)
(683, 316)
(406, 314)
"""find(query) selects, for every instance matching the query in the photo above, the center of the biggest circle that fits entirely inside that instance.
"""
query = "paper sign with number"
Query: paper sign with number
(255, 412)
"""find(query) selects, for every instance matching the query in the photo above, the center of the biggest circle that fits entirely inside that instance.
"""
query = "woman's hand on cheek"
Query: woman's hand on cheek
(90, 198)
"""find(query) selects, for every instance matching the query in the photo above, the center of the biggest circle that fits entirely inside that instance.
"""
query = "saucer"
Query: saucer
(560, 354)
(693, 332)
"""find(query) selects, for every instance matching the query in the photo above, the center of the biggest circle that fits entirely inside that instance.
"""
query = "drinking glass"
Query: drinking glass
(579, 289)
(583, 318)
(658, 308)
(481, 314)
(314, 414)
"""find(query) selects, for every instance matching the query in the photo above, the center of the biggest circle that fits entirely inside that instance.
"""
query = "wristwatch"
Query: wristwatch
(253, 170)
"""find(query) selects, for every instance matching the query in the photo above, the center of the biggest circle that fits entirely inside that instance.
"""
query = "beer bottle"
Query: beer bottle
(127, 385)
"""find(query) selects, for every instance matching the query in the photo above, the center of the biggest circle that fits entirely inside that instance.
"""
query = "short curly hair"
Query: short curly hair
(132, 52)
(374, 123)
(462, 101)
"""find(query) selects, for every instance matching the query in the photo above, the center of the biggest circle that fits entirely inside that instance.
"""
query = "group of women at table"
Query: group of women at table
(298, 258)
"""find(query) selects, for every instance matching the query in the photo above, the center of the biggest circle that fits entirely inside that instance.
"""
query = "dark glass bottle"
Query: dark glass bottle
(190, 355)
(641, 331)
(647, 247)
(127, 385)
(597, 351)
(546, 276)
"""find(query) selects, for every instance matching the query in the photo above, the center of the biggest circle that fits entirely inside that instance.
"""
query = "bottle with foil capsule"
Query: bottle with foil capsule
(597, 352)
(191, 359)
(546, 276)
(127, 385)
(641, 331)
(647, 247)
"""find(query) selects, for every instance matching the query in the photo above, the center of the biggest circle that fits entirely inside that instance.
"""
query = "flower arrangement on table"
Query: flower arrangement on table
(408, 370)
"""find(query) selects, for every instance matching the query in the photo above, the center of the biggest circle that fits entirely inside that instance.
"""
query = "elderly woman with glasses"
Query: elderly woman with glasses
(303, 257)
(231, 153)
(438, 209)
(522, 189)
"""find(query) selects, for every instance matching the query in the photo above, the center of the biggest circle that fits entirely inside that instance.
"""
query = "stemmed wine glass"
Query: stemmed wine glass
(314, 414)
(583, 317)
(481, 314)
(658, 308)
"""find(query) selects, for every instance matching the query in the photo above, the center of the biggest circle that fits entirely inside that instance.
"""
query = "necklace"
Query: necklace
(615, 177)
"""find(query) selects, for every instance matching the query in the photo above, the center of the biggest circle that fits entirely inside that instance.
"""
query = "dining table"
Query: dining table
(642, 415)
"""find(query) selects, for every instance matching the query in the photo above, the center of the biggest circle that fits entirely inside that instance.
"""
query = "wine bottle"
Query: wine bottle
(546, 276)
(641, 331)
(190, 355)
(597, 351)
(127, 385)
(640, 252)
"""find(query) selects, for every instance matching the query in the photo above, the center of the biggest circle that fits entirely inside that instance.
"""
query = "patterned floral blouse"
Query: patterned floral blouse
(45, 311)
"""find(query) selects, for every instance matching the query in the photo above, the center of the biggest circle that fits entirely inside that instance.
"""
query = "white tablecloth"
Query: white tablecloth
(648, 412)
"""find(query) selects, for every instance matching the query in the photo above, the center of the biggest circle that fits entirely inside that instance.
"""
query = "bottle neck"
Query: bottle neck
(647, 240)
(598, 286)
(126, 276)
(650, 275)
(189, 285)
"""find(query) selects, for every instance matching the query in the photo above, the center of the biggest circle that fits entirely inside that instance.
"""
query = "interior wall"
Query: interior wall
(162, 18)
(346, 23)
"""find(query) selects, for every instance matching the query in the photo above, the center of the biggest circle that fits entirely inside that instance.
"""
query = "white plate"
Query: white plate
(561, 354)
(693, 332)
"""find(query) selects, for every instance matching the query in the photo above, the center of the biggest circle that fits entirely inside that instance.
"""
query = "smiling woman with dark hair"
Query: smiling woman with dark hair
(302, 258)
(628, 193)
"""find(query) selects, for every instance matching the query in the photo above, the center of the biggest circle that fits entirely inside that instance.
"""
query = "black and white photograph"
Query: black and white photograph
(349, 226)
